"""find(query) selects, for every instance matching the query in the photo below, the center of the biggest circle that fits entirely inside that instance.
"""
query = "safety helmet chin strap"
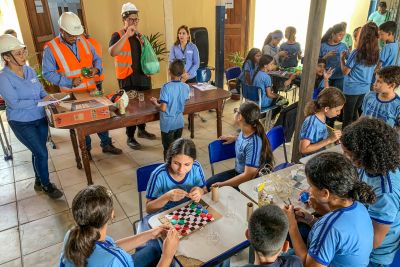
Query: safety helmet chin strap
(16, 60)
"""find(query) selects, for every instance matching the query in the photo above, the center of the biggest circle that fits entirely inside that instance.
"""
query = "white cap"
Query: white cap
(128, 7)
(9, 43)
(70, 23)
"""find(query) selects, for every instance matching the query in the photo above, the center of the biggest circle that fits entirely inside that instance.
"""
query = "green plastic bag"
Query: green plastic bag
(148, 60)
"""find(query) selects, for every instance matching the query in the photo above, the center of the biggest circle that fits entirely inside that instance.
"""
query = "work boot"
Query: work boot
(52, 191)
(146, 134)
(38, 185)
(132, 143)
(111, 149)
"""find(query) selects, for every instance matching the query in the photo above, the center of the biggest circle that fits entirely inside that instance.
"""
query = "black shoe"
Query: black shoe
(111, 149)
(52, 191)
(38, 185)
(147, 135)
(89, 155)
(132, 143)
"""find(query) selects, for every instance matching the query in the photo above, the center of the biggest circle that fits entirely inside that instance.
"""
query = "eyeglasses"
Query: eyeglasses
(21, 53)
(133, 20)
(66, 35)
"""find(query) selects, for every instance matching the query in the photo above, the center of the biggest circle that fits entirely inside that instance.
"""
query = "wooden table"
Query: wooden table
(142, 112)
(336, 148)
(218, 240)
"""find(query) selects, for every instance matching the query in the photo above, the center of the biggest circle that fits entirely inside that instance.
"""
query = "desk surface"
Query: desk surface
(336, 148)
(223, 235)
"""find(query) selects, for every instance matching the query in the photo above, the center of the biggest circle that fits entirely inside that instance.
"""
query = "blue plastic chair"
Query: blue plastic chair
(276, 137)
(396, 260)
(232, 73)
(142, 178)
(217, 152)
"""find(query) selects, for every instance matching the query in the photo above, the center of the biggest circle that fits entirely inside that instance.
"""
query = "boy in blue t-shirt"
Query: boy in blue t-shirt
(267, 232)
(388, 55)
(383, 103)
(173, 96)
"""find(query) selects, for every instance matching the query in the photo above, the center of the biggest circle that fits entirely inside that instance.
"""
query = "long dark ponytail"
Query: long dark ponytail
(251, 114)
(91, 208)
(264, 60)
(251, 56)
(333, 30)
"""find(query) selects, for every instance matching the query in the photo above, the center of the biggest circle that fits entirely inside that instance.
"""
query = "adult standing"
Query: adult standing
(99, 77)
(22, 91)
(64, 58)
(186, 51)
(359, 70)
(381, 15)
(126, 48)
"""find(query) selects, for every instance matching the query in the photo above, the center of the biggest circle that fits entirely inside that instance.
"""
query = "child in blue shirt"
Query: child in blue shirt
(359, 70)
(87, 244)
(250, 65)
(253, 150)
(383, 103)
(388, 56)
(173, 97)
(331, 49)
(292, 48)
(262, 80)
(374, 148)
(343, 236)
(314, 132)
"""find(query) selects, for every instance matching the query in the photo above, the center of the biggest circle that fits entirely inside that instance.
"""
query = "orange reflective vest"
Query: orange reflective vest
(69, 66)
(99, 52)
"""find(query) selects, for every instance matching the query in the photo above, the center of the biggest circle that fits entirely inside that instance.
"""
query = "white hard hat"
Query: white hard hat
(129, 7)
(9, 43)
(70, 23)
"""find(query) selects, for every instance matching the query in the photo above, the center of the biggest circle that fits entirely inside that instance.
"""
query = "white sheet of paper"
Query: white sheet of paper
(204, 86)
(46, 103)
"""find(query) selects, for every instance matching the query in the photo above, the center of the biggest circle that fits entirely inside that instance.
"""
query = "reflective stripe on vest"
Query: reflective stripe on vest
(123, 60)
(83, 87)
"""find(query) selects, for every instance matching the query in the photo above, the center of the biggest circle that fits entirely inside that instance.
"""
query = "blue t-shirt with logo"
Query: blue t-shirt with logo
(161, 182)
(333, 62)
(248, 151)
(174, 94)
(386, 211)
(343, 237)
(389, 111)
(358, 81)
(263, 81)
(313, 129)
(293, 51)
(388, 54)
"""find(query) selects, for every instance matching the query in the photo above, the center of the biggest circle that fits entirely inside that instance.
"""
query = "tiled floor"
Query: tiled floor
(32, 226)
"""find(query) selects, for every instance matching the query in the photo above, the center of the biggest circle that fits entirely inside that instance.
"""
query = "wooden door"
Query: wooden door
(236, 25)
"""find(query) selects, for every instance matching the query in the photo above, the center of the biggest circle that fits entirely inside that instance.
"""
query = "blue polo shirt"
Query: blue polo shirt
(386, 210)
(318, 88)
(189, 55)
(22, 95)
(248, 66)
(174, 94)
(313, 129)
(161, 182)
(248, 151)
(105, 253)
(388, 54)
(389, 111)
(293, 51)
(343, 237)
(358, 81)
(263, 81)
(333, 62)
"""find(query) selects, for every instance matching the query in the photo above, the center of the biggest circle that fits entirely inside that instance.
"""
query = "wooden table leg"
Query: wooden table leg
(76, 149)
(219, 119)
(85, 157)
(191, 123)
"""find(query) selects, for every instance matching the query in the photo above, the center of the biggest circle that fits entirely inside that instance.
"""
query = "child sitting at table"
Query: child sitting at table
(87, 243)
(173, 97)
(292, 48)
(267, 232)
(383, 103)
(344, 236)
(250, 65)
(253, 150)
(314, 132)
(374, 148)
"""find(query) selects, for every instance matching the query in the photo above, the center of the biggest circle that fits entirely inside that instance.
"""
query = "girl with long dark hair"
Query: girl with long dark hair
(249, 66)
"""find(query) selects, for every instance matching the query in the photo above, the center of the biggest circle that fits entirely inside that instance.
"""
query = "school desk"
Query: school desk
(335, 148)
(218, 240)
(141, 112)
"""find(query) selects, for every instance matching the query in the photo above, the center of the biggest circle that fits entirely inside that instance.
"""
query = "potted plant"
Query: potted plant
(158, 45)
(236, 59)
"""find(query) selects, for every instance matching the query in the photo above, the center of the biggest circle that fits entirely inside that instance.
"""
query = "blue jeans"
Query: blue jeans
(104, 140)
(33, 134)
(221, 177)
(146, 256)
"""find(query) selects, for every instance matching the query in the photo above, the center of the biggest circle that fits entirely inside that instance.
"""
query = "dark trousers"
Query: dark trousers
(351, 107)
(221, 177)
(130, 131)
(147, 256)
(168, 138)
(33, 135)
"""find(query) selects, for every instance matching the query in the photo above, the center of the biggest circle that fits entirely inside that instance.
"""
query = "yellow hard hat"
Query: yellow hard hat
(70, 23)
(9, 43)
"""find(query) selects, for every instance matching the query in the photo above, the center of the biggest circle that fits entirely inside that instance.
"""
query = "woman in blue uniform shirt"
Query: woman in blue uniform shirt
(22, 91)
(186, 51)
